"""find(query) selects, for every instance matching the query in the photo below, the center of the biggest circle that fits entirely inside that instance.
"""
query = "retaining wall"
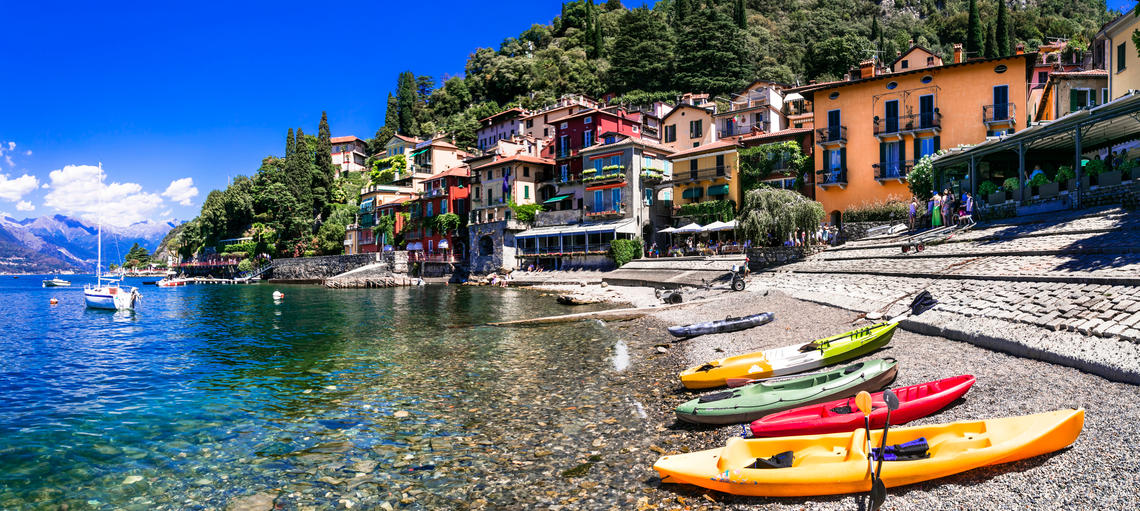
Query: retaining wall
(308, 269)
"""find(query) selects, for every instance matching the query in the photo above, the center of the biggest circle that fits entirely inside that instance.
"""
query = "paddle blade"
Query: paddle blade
(863, 401)
(878, 494)
(891, 399)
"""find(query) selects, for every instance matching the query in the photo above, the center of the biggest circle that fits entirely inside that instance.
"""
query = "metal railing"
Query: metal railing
(893, 170)
(832, 177)
(603, 213)
(593, 248)
(831, 134)
(417, 256)
(435, 192)
(709, 173)
(998, 113)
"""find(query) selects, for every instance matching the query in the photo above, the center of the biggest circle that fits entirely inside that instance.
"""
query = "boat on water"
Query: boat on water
(171, 282)
(836, 463)
(789, 359)
(56, 282)
(108, 292)
(728, 324)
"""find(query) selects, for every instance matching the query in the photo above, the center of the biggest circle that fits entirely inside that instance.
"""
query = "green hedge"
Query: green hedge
(710, 211)
(624, 251)
(888, 211)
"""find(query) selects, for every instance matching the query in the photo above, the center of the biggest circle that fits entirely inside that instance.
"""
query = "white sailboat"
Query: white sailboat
(108, 293)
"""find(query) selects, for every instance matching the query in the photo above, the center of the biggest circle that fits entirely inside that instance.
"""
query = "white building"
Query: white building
(349, 154)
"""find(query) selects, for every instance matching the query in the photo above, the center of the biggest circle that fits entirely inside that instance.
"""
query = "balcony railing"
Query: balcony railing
(999, 113)
(435, 192)
(606, 213)
(593, 248)
(422, 257)
(831, 135)
(744, 129)
(710, 173)
(892, 170)
(591, 176)
(652, 175)
(908, 123)
(832, 177)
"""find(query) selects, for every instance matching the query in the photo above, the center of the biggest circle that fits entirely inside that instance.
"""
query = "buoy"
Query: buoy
(277, 295)
(53, 301)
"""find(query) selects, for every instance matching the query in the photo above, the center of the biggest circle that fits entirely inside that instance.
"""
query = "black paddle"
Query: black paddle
(863, 403)
(878, 489)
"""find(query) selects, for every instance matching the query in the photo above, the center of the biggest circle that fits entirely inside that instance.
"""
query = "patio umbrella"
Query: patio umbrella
(715, 226)
(667, 230)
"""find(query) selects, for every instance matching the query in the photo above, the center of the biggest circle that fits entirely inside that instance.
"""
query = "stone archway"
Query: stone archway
(486, 246)
(836, 219)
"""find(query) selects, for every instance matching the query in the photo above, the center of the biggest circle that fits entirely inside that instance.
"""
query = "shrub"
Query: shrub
(1011, 184)
(245, 265)
(624, 251)
(1065, 173)
(1095, 167)
(524, 212)
(987, 188)
(885, 211)
(770, 215)
(1038, 180)
(920, 179)
(446, 222)
(1125, 167)
(710, 211)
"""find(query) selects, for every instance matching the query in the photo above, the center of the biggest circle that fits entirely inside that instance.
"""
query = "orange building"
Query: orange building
(873, 127)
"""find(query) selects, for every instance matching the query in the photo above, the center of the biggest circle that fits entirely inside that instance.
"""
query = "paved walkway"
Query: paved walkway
(1079, 305)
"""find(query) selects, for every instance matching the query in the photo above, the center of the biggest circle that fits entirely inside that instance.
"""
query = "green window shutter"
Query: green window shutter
(882, 153)
(917, 149)
(1074, 100)
(902, 152)
(827, 159)
(937, 143)
(843, 159)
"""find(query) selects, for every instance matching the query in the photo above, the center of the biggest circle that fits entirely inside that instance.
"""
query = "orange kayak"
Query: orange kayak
(837, 463)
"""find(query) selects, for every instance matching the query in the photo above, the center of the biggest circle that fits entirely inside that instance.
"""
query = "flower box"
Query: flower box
(1048, 190)
(1108, 178)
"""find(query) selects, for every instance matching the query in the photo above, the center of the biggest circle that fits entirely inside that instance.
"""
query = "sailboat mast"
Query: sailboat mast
(99, 261)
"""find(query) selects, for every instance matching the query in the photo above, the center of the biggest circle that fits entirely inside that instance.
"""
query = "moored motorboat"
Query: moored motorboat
(728, 324)
(837, 463)
(754, 401)
(915, 401)
(56, 282)
(790, 359)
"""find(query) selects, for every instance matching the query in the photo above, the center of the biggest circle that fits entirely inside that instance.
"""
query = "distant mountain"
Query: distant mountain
(65, 243)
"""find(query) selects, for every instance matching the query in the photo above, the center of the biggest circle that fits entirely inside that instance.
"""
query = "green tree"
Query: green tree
(991, 44)
(642, 53)
(831, 58)
(709, 57)
(212, 219)
(323, 170)
(613, 5)
(289, 143)
(740, 14)
(974, 31)
(1002, 28)
(771, 215)
(680, 13)
(406, 103)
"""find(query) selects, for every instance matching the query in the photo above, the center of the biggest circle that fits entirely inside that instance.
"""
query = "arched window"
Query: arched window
(486, 246)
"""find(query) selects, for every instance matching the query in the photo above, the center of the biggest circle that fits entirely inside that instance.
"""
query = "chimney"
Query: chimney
(957, 53)
(910, 43)
(811, 82)
(867, 68)
(1020, 48)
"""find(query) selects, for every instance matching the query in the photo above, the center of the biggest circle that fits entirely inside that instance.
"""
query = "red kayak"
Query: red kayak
(915, 401)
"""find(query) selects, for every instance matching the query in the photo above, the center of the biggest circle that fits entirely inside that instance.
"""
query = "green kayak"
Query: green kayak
(754, 401)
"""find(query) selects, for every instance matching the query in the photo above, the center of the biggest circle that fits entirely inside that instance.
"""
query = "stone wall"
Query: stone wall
(1127, 193)
(858, 230)
(569, 216)
(319, 268)
(767, 257)
(499, 252)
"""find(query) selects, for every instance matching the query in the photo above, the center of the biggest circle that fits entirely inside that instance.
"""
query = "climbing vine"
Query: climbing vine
(708, 212)
(758, 163)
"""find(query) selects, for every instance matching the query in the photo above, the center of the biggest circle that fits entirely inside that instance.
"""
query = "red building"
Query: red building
(444, 193)
(584, 129)
(391, 208)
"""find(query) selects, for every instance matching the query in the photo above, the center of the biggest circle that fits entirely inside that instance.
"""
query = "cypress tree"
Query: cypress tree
(290, 143)
(739, 14)
(323, 171)
(680, 12)
(406, 103)
(391, 115)
(1003, 47)
(991, 43)
(597, 35)
(301, 174)
(974, 32)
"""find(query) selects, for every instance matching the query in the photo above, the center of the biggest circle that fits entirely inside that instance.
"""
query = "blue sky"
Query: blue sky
(162, 91)
(174, 98)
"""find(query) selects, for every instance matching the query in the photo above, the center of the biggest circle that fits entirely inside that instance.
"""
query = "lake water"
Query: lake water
(208, 393)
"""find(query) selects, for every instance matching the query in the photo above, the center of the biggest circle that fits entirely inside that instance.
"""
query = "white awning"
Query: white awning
(415, 245)
(623, 226)
(795, 96)
(720, 226)
(667, 230)
(443, 244)
(688, 229)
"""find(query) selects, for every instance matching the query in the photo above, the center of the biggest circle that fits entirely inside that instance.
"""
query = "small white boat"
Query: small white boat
(107, 293)
(171, 282)
(277, 295)
(56, 282)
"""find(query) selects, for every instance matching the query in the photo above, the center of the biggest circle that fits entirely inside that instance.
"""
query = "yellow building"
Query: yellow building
(1115, 52)
(687, 126)
(705, 173)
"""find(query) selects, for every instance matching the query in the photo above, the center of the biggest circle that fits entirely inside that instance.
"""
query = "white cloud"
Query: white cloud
(76, 190)
(181, 191)
(24, 206)
(16, 189)
(28, 152)
(11, 146)
(6, 151)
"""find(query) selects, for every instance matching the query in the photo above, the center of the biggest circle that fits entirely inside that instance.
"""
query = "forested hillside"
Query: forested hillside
(292, 206)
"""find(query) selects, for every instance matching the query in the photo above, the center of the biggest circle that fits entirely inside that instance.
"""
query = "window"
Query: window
(615, 194)
(443, 207)
(1103, 96)
(693, 169)
(545, 132)
(588, 138)
(671, 133)
(890, 159)
(610, 139)
(1042, 77)
(892, 85)
(490, 174)
(1000, 69)
(635, 128)
(565, 170)
(526, 192)
(477, 192)
(696, 129)
(599, 201)
(615, 160)
(927, 79)
(720, 164)
(925, 147)
(529, 123)
(1080, 99)
(562, 126)
(1120, 50)
(563, 145)
(428, 215)
(833, 95)
(835, 161)
(648, 196)
(589, 119)
(526, 171)
(905, 64)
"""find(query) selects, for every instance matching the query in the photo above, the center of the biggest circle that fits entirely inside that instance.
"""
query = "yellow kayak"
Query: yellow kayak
(790, 359)
(837, 463)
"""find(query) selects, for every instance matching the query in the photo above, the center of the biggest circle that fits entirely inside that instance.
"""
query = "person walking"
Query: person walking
(936, 210)
(911, 214)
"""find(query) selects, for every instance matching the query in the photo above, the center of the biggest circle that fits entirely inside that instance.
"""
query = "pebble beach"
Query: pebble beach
(1098, 472)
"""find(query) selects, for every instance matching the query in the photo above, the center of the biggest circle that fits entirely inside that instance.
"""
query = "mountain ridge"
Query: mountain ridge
(60, 242)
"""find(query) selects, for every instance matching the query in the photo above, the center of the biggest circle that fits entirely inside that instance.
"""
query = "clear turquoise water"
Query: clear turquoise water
(211, 392)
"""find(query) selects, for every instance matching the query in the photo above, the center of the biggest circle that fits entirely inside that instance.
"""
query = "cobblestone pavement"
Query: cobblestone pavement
(1091, 293)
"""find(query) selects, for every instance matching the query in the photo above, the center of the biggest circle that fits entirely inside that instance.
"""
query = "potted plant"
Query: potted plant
(1048, 189)
(991, 192)
(1036, 183)
(1012, 188)
(1066, 178)
(1127, 170)
(1094, 168)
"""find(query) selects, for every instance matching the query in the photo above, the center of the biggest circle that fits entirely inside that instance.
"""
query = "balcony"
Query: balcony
(895, 127)
(606, 214)
(435, 192)
(557, 249)
(724, 172)
(732, 130)
(421, 257)
(367, 220)
(831, 136)
(999, 114)
(650, 176)
(886, 171)
(837, 177)
(610, 174)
